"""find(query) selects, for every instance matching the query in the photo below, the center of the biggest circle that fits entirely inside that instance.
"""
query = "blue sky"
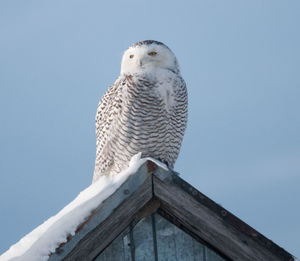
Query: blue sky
(241, 62)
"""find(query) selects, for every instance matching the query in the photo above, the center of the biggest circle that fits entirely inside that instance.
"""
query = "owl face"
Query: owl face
(146, 56)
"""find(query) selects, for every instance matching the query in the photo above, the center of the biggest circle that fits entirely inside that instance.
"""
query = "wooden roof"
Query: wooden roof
(154, 190)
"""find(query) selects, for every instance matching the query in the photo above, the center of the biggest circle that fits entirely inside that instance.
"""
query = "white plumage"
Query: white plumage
(145, 110)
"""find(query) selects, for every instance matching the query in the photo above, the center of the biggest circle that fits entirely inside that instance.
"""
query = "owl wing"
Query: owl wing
(105, 110)
(106, 117)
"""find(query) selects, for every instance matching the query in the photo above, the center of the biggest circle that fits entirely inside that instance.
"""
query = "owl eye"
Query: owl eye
(131, 56)
(152, 53)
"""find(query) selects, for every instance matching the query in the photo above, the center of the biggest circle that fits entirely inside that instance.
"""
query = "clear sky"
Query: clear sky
(241, 62)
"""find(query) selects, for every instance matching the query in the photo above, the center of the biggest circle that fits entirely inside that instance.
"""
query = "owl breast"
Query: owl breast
(149, 116)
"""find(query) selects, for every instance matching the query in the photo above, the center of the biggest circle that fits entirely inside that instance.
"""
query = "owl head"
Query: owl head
(148, 55)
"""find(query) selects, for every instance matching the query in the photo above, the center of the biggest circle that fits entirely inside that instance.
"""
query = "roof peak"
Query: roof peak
(153, 189)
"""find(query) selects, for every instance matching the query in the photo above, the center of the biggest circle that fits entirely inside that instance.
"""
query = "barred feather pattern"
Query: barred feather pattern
(140, 113)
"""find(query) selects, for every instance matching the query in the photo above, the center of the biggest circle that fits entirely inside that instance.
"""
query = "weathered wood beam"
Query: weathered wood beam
(216, 226)
(96, 240)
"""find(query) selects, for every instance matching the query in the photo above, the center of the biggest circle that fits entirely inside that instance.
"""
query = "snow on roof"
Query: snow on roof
(38, 244)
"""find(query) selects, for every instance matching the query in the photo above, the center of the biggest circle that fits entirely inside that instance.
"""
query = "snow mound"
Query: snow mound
(38, 244)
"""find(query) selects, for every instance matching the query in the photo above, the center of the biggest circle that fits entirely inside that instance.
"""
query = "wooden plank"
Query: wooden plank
(208, 225)
(198, 250)
(199, 243)
(114, 252)
(174, 244)
(127, 247)
(137, 240)
(211, 255)
(165, 240)
(228, 218)
(143, 240)
(96, 240)
(185, 246)
(103, 211)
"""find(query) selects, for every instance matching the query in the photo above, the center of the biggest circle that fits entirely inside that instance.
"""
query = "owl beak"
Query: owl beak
(140, 63)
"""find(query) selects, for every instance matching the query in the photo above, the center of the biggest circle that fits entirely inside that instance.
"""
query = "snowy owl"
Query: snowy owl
(145, 110)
